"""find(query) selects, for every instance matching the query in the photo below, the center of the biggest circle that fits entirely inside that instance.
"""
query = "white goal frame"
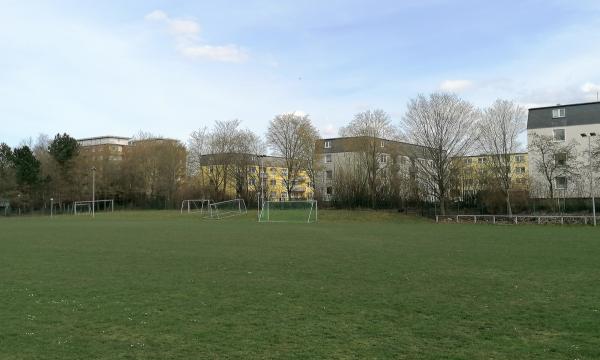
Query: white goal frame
(91, 203)
(265, 212)
(186, 205)
(239, 208)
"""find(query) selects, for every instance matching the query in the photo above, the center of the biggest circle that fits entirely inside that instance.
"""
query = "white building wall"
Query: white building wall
(577, 187)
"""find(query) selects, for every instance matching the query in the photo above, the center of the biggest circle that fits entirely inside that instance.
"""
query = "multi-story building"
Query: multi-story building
(567, 125)
(104, 147)
(337, 154)
(474, 173)
(233, 174)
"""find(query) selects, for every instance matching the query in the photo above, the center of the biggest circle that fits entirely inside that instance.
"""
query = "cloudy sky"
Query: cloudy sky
(91, 67)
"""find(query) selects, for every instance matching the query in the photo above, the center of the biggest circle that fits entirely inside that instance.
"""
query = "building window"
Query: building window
(560, 159)
(328, 158)
(327, 144)
(520, 170)
(520, 158)
(382, 143)
(252, 181)
(253, 170)
(558, 113)
(469, 161)
(329, 190)
(482, 160)
(561, 182)
(383, 158)
(273, 195)
(559, 134)
(329, 174)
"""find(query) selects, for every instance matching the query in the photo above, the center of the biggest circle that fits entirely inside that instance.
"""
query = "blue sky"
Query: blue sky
(169, 67)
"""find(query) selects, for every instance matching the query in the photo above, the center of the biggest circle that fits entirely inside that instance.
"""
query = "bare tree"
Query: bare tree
(443, 125)
(197, 147)
(552, 160)
(498, 133)
(292, 137)
(370, 129)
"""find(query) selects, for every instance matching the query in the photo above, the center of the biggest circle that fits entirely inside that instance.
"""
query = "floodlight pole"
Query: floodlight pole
(589, 137)
(93, 191)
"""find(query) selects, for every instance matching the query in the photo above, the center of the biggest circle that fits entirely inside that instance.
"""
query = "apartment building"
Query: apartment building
(474, 173)
(335, 154)
(236, 173)
(104, 147)
(572, 124)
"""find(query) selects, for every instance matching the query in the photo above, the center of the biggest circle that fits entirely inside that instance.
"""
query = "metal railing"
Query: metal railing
(517, 219)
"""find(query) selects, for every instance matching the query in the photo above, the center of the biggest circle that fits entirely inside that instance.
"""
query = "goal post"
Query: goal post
(88, 207)
(226, 209)
(298, 211)
(201, 206)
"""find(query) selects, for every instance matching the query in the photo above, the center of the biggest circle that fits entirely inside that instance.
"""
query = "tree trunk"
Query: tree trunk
(508, 206)
(442, 205)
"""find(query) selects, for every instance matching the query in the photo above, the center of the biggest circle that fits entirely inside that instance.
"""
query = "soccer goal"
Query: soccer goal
(89, 207)
(201, 206)
(300, 211)
(226, 209)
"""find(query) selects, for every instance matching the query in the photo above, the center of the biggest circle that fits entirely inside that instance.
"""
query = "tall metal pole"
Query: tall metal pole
(93, 191)
(589, 137)
(592, 178)
(51, 206)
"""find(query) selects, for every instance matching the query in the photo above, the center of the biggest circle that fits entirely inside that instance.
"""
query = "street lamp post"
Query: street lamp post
(589, 137)
(51, 206)
(93, 191)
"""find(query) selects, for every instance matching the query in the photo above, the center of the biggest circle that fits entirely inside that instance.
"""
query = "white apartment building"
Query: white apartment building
(565, 124)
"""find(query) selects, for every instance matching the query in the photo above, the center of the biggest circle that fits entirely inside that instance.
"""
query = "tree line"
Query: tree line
(159, 174)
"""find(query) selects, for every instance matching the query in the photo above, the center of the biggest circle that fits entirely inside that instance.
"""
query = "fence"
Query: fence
(518, 219)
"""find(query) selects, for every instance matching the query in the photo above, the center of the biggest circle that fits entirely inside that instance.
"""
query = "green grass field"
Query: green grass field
(364, 285)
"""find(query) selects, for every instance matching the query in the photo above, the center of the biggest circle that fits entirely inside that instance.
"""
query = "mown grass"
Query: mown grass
(159, 285)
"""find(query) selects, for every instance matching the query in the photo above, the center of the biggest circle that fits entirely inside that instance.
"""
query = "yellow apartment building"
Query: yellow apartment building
(474, 174)
(235, 174)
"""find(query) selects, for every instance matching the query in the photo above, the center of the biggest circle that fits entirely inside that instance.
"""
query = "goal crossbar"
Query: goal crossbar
(292, 211)
(109, 205)
(195, 206)
(226, 209)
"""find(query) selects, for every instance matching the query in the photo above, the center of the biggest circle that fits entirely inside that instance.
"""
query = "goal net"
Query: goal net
(201, 206)
(289, 211)
(225, 209)
(87, 207)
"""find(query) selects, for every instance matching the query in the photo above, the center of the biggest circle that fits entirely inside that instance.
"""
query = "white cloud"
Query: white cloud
(455, 85)
(224, 53)
(156, 15)
(186, 35)
(590, 88)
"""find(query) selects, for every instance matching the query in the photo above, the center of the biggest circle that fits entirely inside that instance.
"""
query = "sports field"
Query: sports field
(364, 285)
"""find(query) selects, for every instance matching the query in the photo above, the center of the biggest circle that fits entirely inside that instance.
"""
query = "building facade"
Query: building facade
(474, 174)
(347, 154)
(564, 126)
(234, 175)
(107, 147)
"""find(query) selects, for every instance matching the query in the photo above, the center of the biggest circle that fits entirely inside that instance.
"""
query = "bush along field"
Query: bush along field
(160, 285)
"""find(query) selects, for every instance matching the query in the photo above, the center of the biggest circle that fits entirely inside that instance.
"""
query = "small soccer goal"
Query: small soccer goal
(289, 211)
(201, 206)
(90, 207)
(226, 209)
